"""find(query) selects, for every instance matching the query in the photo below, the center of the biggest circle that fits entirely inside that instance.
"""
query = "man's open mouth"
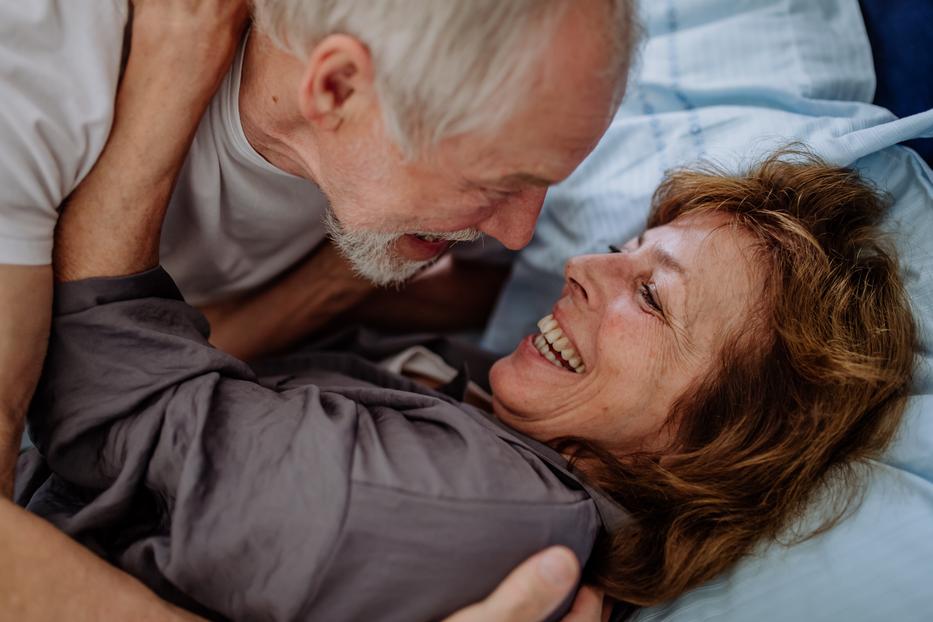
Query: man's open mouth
(421, 247)
(556, 347)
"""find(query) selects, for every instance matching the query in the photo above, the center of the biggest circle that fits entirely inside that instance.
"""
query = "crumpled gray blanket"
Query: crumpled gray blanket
(316, 486)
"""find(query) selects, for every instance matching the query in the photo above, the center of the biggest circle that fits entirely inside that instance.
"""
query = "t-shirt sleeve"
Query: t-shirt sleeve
(253, 481)
(59, 67)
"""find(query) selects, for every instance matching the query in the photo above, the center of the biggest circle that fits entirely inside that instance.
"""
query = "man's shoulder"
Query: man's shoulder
(62, 53)
(62, 56)
(64, 29)
(39, 13)
(60, 63)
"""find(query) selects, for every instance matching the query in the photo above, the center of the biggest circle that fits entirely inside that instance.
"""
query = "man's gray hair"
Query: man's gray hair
(443, 67)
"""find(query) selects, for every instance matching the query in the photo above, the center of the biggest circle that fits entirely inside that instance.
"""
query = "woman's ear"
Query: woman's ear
(338, 83)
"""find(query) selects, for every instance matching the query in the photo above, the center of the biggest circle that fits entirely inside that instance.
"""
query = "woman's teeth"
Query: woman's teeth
(555, 347)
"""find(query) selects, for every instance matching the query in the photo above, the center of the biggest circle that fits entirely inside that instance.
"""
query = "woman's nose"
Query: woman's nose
(578, 275)
(590, 275)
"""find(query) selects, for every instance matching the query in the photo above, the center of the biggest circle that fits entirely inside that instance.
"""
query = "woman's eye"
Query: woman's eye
(615, 248)
(650, 298)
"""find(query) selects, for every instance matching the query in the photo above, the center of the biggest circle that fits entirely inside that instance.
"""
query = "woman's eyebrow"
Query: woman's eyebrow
(668, 261)
(664, 258)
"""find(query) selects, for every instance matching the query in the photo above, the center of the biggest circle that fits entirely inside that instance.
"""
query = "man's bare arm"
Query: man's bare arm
(323, 293)
(453, 295)
(44, 575)
(302, 301)
(127, 191)
(25, 307)
(73, 584)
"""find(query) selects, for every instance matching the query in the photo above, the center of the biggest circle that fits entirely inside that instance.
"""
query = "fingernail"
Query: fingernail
(559, 567)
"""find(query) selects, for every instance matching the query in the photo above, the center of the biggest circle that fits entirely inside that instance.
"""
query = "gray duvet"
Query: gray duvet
(315, 486)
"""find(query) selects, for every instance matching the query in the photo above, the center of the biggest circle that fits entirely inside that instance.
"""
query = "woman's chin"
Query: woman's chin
(509, 386)
(499, 375)
(523, 380)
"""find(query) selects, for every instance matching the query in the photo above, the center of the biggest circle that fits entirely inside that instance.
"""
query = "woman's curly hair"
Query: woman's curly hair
(812, 387)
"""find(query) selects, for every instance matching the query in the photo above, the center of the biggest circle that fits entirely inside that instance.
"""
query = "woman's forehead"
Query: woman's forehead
(722, 275)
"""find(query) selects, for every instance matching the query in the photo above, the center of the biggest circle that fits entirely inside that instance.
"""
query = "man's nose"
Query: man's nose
(513, 222)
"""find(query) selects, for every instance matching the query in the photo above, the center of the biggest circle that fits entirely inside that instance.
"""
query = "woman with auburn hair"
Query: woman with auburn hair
(813, 387)
(687, 398)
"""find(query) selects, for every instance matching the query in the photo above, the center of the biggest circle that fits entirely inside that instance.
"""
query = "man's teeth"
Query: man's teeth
(552, 340)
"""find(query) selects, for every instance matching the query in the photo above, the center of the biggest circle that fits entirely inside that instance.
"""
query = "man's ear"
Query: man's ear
(338, 82)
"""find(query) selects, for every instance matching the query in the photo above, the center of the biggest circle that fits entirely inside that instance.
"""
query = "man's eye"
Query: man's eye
(650, 298)
(499, 194)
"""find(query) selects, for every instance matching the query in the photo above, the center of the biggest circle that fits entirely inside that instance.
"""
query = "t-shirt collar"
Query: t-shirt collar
(229, 95)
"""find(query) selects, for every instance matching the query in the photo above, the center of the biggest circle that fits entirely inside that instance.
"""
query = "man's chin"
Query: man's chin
(384, 259)
(393, 272)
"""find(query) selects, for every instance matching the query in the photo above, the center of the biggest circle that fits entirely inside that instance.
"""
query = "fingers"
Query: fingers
(587, 606)
(531, 592)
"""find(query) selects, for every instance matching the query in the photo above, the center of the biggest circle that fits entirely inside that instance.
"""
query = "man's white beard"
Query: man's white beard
(372, 254)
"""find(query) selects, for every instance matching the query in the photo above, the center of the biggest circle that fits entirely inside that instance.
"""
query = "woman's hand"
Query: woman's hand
(187, 45)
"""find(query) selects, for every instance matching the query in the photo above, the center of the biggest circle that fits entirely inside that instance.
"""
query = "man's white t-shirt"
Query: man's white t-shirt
(234, 222)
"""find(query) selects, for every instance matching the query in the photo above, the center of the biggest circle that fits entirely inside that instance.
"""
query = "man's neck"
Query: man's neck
(269, 113)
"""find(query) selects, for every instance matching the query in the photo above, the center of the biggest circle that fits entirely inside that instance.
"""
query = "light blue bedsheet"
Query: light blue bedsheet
(731, 80)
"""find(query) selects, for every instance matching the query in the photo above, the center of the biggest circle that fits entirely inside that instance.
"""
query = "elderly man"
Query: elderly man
(394, 128)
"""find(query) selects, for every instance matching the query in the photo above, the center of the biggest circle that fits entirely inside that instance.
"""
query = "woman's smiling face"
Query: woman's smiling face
(640, 326)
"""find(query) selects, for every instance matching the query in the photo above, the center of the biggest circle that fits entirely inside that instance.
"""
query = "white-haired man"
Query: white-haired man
(393, 127)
